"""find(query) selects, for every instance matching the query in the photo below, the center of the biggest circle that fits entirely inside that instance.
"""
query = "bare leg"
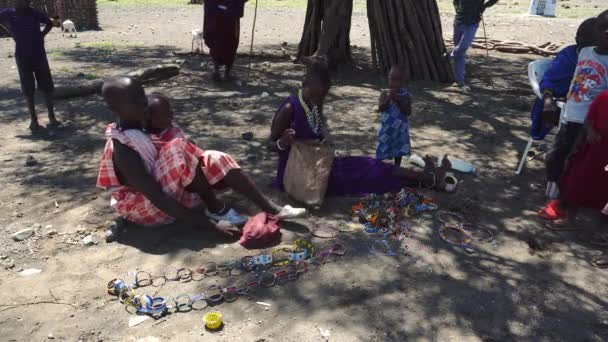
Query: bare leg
(48, 98)
(201, 187)
(216, 72)
(31, 107)
(228, 72)
(238, 181)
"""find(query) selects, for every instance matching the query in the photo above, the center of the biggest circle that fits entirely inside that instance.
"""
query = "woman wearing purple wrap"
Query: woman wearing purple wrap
(301, 118)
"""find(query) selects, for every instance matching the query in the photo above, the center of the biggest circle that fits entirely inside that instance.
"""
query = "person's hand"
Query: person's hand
(287, 138)
(225, 227)
(606, 168)
(593, 136)
(392, 94)
(549, 105)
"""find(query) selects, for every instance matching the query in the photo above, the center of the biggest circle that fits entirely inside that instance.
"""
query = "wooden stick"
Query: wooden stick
(255, 18)
(485, 35)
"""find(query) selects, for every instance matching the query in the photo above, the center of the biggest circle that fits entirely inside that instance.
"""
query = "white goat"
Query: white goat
(197, 40)
(70, 27)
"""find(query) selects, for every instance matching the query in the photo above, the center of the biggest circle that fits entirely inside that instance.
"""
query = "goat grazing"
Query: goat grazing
(70, 27)
(197, 40)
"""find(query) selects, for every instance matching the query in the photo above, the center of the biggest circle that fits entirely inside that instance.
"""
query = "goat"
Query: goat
(197, 40)
(70, 27)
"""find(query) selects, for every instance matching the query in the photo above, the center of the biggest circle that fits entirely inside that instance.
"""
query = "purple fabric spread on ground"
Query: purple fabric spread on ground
(350, 176)
(221, 29)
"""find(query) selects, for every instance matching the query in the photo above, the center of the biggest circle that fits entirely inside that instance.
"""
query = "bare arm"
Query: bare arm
(490, 3)
(405, 104)
(383, 101)
(281, 128)
(130, 166)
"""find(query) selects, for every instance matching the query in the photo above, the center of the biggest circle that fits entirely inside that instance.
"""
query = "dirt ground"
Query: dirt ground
(531, 285)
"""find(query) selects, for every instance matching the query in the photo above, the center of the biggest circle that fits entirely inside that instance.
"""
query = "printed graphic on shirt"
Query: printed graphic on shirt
(590, 75)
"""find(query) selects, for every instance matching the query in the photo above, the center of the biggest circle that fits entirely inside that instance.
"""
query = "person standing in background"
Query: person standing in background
(221, 32)
(466, 23)
(24, 26)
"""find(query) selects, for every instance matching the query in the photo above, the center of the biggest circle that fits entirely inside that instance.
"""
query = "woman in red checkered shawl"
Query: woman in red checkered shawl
(153, 187)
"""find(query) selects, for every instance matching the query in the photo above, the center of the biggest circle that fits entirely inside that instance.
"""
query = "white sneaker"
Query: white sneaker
(288, 212)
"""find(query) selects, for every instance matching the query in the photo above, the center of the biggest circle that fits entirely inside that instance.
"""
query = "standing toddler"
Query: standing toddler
(395, 104)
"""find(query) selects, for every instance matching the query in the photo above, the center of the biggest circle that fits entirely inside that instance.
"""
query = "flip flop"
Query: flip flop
(596, 261)
(325, 231)
(552, 212)
(600, 239)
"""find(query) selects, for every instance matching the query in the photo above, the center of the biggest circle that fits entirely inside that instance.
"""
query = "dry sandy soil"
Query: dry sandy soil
(532, 285)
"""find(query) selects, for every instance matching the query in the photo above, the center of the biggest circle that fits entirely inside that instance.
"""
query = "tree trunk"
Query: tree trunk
(327, 30)
(408, 33)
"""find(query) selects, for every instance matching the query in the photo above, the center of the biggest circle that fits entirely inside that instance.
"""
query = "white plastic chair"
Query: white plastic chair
(536, 71)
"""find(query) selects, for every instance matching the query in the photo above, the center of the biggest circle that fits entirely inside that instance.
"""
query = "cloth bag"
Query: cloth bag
(307, 172)
(261, 231)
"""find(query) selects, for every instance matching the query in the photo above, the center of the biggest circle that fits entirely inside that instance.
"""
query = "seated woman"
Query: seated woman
(585, 180)
(301, 118)
(153, 187)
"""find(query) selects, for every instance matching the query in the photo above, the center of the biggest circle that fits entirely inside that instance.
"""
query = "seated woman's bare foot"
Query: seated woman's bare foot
(440, 173)
(429, 164)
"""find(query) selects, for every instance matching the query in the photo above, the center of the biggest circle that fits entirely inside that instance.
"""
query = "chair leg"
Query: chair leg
(552, 190)
(524, 157)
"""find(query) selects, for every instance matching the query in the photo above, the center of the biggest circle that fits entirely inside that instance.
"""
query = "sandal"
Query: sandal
(552, 212)
(600, 239)
(325, 231)
(599, 261)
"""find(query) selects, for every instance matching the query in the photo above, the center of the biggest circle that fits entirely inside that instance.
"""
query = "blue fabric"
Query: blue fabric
(394, 137)
(463, 38)
(556, 79)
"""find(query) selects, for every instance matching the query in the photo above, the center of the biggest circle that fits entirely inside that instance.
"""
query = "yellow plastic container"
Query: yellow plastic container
(213, 320)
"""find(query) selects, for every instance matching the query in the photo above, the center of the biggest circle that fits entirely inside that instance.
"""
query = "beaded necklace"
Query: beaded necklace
(313, 116)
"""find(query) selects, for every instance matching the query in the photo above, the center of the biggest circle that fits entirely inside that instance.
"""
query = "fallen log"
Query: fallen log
(90, 87)
(546, 49)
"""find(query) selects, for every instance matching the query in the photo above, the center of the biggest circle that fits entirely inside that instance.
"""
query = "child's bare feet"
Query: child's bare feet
(54, 123)
(441, 171)
(35, 127)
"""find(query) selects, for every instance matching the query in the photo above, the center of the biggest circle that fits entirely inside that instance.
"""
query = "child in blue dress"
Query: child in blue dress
(395, 104)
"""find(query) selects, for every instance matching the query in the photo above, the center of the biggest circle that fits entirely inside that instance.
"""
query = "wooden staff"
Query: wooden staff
(485, 36)
(255, 18)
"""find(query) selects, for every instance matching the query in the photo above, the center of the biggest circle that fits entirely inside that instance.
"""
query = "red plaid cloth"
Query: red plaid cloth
(159, 140)
(174, 170)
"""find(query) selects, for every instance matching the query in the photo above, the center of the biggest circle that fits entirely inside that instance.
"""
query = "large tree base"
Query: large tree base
(326, 34)
(408, 33)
